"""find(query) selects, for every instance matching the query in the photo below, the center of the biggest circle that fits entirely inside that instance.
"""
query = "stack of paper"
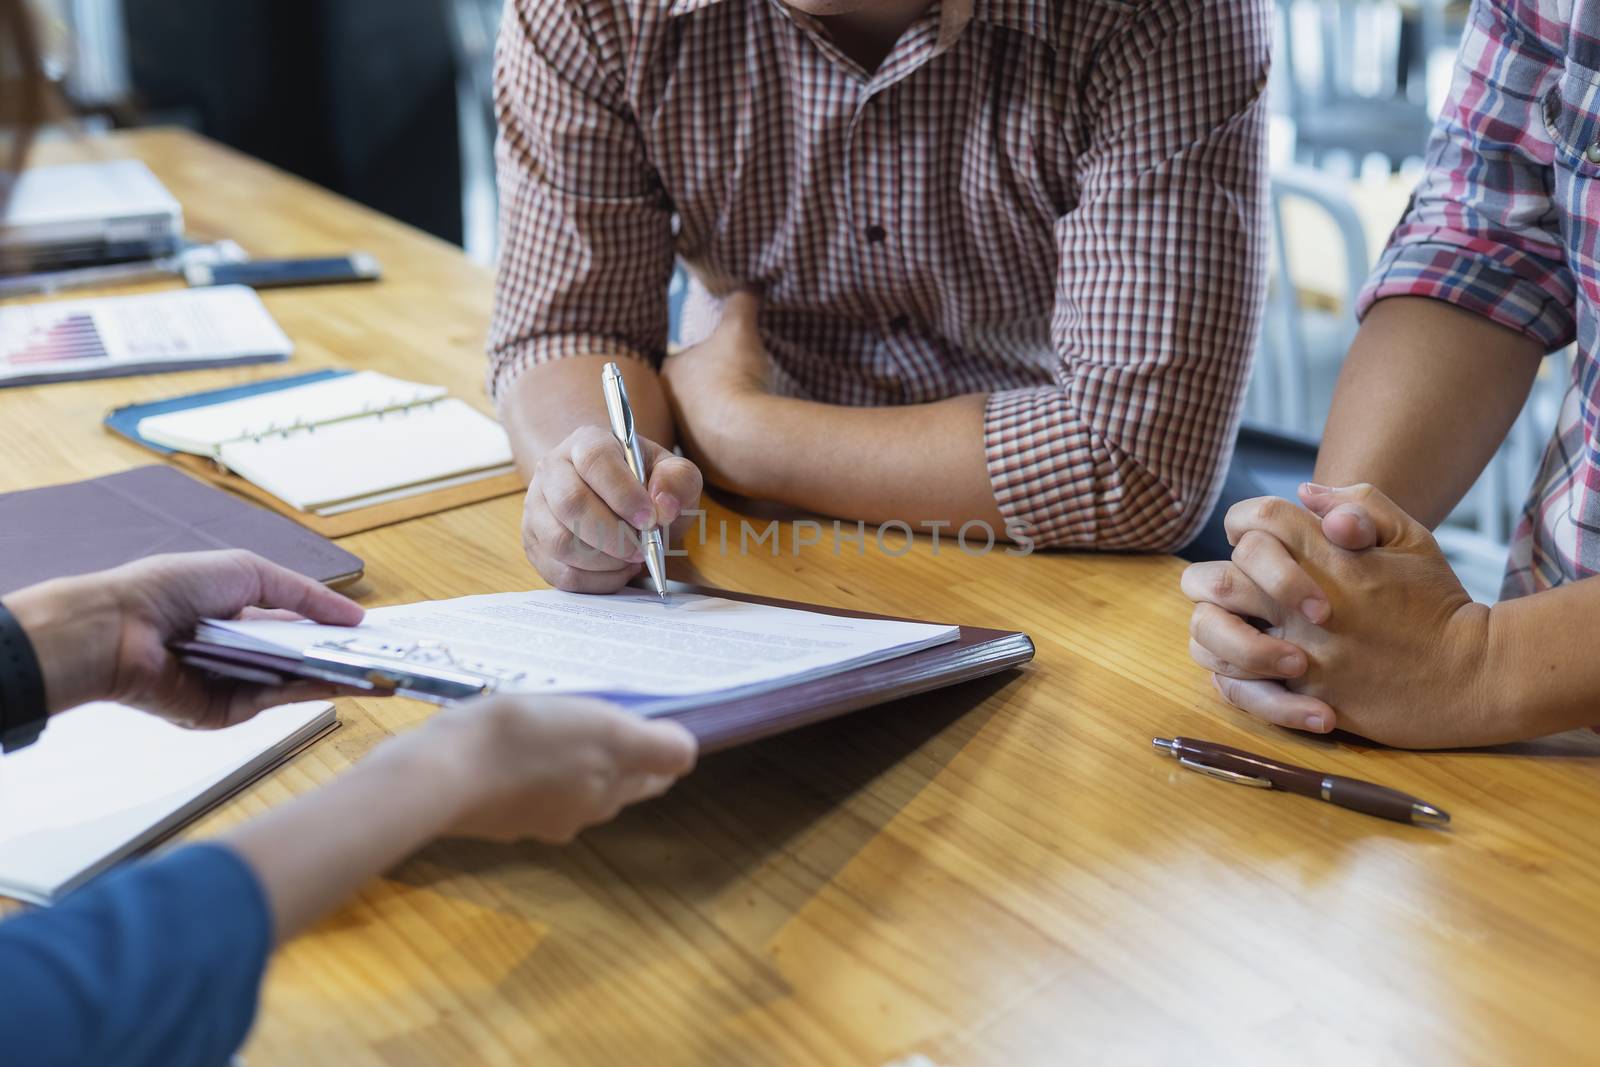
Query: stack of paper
(629, 647)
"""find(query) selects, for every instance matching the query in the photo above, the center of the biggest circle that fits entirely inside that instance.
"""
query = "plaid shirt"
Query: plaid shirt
(1057, 203)
(1506, 222)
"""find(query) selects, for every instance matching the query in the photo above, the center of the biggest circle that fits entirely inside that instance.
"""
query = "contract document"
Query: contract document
(651, 656)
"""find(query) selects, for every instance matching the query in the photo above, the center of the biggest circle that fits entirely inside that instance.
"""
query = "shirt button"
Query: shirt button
(900, 323)
(1592, 153)
(876, 234)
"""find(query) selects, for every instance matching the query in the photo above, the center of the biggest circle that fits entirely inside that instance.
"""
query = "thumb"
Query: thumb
(1356, 517)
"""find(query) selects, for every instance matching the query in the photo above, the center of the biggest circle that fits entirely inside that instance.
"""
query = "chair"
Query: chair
(1354, 74)
(1301, 346)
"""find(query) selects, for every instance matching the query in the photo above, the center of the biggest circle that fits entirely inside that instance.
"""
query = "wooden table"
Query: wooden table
(1005, 873)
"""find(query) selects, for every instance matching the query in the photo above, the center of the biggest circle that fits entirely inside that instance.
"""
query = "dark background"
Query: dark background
(356, 95)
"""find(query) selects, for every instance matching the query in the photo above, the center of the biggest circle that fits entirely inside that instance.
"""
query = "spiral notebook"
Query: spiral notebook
(340, 443)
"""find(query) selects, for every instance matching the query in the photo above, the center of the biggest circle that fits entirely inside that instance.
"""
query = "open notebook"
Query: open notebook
(652, 657)
(106, 781)
(340, 443)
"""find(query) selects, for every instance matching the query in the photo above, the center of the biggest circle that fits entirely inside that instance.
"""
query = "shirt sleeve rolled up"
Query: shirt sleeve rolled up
(1159, 291)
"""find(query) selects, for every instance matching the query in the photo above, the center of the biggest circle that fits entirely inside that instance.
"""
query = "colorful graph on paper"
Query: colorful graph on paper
(70, 336)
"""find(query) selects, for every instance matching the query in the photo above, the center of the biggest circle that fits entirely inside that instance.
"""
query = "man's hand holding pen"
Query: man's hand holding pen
(583, 502)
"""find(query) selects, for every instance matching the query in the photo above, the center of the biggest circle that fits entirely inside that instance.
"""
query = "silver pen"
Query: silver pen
(655, 551)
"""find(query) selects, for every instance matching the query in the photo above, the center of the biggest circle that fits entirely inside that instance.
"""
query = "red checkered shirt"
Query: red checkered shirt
(1057, 203)
(1506, 223)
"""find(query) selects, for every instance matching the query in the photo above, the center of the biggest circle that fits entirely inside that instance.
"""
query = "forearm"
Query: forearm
(919, 463)
(1542, 673)
(314, 852)
(548, 401)
(1426, 396)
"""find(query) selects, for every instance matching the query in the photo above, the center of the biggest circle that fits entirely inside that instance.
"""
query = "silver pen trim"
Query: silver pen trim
(1428, 815)
(620, 413)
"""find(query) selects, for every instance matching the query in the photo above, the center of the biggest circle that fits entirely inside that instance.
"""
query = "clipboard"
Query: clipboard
(428, 672)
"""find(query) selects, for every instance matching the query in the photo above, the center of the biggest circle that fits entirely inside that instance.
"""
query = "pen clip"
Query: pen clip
(1226, 776)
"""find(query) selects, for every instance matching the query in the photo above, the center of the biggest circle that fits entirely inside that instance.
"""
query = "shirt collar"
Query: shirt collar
(1037, 18)
(1034, 17)
(685, 7)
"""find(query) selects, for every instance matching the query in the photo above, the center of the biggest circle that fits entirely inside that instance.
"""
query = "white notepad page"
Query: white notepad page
(654, 657)
(204, 430)
(325, 466)
(104, 780)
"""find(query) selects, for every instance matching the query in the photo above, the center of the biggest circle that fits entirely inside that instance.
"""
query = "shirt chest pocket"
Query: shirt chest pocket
(1571, 110)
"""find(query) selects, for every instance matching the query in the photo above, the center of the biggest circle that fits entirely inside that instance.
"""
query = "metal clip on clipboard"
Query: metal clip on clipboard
(425, 670)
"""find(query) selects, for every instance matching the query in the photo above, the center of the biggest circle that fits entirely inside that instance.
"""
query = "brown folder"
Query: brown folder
(975, 653)
(89, 526)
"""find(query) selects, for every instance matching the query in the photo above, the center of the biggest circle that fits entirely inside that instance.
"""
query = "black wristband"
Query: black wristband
(23, 711)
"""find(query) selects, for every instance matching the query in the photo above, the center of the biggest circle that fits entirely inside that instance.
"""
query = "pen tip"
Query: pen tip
(1428, 815)
(1167, 745)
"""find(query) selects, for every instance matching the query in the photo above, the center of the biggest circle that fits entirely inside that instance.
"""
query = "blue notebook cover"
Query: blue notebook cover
(124, 421)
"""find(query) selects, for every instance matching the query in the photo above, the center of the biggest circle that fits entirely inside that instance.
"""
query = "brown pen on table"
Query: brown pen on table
(1245, 768)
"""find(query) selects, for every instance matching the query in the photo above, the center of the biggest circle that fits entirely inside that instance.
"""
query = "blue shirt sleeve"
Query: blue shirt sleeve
(157, 964)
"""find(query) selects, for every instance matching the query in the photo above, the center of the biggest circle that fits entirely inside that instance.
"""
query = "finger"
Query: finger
(1240, 650)
(280, 587)
(1350, 526)
(276, 614)
(1265, 561)
(1344, 523)
(572, 579)
(1215, 665)
(592, 522)
(1389, 521)
(658, 747)
(553, 542)
(675, 483)
(1222, 583)
(1275, 704)
(637, 787)
(1284, 519)
(597, 458)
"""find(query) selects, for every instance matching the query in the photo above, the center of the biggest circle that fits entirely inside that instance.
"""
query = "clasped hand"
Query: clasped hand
(1344, 614)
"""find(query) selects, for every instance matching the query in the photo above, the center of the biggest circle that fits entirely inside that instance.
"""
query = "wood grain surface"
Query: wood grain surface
(1003, 873)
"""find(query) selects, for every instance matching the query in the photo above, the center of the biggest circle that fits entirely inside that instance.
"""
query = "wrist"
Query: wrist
(1521, 676)
(73, 626)
(442, 759)
(732, 459)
